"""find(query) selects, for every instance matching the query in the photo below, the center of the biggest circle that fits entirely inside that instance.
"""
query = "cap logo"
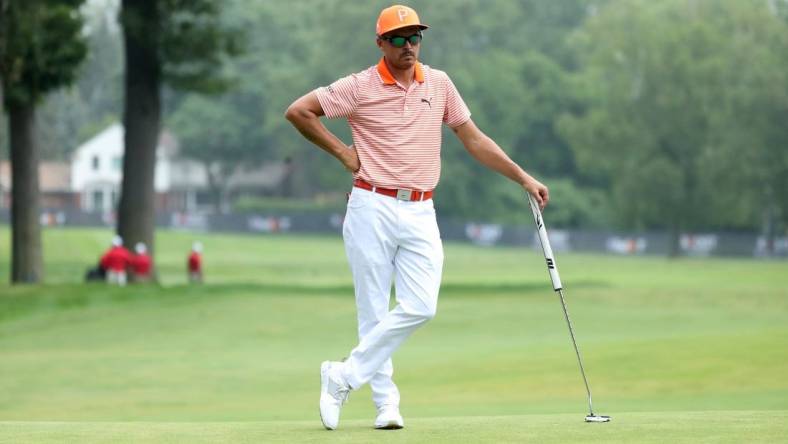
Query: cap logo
(402, 13)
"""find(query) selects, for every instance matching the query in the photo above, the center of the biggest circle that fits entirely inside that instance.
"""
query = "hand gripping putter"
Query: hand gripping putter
(552, 268)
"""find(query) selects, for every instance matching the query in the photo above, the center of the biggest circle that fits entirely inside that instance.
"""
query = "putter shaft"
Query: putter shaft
(577, 352)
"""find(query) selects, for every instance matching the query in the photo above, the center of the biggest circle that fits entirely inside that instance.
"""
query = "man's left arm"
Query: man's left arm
(489, 154)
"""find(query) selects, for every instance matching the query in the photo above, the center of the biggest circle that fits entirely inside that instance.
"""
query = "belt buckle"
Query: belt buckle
(404, 194)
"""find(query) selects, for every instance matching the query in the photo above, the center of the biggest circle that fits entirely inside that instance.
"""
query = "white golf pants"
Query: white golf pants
(387, 240)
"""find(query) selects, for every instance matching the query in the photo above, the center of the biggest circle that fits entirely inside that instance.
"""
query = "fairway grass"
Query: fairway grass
(651, 427)
(682, 350)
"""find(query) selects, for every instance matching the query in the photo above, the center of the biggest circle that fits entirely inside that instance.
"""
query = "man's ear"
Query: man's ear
(379, 42)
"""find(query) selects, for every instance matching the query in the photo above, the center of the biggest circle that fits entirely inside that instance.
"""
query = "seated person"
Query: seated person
(141, 264)
(115, 261)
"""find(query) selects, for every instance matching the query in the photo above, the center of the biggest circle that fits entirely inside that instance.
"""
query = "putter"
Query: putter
(552, 268)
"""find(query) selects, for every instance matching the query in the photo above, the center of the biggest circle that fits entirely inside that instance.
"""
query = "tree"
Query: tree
(40, 48)
(656, 87)
(182, 43)
(220, 135)
(753, 135)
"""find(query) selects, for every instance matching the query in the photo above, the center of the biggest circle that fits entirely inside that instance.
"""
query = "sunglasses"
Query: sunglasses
(398, 41)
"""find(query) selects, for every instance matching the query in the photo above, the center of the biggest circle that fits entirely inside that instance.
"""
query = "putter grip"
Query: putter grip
(552, 267)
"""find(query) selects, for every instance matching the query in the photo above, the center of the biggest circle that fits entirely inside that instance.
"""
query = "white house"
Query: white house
(180, 184)
(97, 168)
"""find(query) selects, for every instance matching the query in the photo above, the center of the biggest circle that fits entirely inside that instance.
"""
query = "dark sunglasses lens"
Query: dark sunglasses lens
(414, 39)
(398, 42)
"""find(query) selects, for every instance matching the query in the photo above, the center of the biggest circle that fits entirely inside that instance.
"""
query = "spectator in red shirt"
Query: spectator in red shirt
(115, 261)
(194, 264)
(141, 264)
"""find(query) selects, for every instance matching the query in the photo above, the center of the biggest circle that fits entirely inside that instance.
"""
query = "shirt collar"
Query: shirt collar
(388, 79)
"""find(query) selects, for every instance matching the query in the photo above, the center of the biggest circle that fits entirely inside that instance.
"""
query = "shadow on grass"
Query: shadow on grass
(20, 301)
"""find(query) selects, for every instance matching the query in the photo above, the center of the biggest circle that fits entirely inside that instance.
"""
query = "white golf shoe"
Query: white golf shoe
(334, 392)
(389, 418)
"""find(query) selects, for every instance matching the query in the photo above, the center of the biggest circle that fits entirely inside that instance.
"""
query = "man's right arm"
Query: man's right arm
(305, 114)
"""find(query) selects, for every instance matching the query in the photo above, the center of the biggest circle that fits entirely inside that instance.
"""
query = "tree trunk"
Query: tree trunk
(26, 263)
(141, 119)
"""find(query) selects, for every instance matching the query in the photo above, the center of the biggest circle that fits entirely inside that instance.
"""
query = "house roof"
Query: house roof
(52, 176)
(112, 136)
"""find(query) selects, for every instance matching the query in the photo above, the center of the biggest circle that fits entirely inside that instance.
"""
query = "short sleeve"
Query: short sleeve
(456, 112)
(339, 99)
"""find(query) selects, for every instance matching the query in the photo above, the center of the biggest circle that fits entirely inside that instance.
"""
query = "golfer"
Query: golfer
(395, 110)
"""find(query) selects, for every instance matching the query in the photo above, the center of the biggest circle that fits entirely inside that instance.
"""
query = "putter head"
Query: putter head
(595, 418)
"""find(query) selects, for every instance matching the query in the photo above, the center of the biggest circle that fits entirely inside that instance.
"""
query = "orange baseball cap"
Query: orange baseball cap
(396, 17)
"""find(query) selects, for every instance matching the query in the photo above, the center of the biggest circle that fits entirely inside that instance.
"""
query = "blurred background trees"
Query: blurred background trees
(681, 112)
(641, 115)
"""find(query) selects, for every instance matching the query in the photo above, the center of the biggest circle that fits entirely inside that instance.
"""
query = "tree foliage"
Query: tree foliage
(672, 92)
(40, 47)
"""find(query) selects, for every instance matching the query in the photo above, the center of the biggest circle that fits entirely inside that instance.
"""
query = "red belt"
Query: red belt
(401, 194)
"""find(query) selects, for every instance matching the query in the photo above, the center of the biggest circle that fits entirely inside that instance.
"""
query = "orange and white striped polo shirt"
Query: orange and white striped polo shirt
(396, 131)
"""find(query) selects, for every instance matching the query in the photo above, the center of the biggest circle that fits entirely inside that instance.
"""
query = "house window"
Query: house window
(96, 163)
(117, 163)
